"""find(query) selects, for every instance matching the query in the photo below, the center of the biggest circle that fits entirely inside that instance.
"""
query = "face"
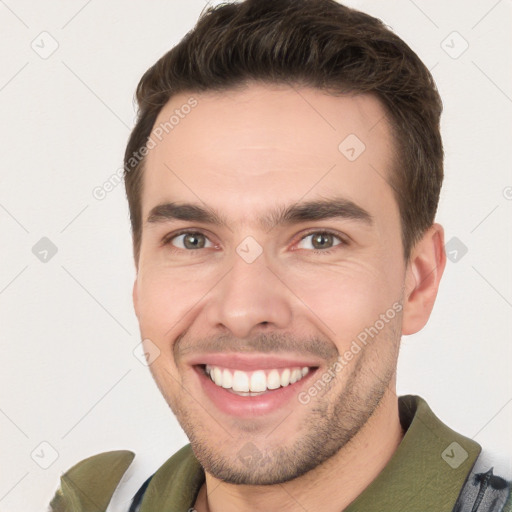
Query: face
(271, 275)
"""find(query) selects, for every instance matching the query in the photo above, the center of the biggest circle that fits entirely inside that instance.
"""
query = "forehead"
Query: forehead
(244, 148)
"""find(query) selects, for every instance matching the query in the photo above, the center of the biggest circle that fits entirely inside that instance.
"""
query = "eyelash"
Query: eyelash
(343, 242)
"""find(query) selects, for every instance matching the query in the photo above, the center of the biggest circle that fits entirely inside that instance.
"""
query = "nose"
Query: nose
(249, 296)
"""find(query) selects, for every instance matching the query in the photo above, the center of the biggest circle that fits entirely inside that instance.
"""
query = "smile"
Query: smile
(251, 387)
(245, 383)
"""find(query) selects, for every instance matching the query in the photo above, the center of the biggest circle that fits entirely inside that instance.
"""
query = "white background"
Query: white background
(69, 376)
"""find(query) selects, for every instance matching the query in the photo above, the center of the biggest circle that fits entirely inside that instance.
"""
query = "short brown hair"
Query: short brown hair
(315, 43)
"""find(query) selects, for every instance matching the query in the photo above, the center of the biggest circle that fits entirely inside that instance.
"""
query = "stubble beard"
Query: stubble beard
(328, 427)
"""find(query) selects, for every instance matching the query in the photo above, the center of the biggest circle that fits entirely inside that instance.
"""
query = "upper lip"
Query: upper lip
(250, 362)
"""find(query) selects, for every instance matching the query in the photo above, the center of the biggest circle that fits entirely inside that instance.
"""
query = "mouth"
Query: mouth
(254, 383)
(248, 392)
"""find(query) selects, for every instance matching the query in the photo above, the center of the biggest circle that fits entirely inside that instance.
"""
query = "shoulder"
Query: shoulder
(108, 480)
(90, 484)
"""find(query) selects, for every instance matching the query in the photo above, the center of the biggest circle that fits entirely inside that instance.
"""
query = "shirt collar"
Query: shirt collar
(427, 470)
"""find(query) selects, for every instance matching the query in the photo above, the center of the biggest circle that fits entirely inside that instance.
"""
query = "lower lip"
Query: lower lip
(244, 406)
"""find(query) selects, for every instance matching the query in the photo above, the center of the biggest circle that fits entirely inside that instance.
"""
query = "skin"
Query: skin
(241, 153)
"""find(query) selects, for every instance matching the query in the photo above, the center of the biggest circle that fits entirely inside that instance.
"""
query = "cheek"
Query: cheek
(167, 299)
(343, 300)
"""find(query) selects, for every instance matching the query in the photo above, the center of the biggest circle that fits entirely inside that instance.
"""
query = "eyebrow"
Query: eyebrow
(321, 209)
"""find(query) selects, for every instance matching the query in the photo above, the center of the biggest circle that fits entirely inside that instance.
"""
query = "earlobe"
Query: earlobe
(423, 274)
(135, 299)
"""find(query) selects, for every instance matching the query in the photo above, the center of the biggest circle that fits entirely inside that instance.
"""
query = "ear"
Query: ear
(423, 274)
(135, 298)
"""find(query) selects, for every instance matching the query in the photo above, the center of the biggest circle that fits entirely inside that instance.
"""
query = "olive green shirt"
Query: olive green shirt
(426, 473)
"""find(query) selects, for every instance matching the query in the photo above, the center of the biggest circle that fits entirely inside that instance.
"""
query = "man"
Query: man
(283, 178)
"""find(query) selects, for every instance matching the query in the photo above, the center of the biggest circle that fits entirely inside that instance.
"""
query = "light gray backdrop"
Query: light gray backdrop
(71, 385)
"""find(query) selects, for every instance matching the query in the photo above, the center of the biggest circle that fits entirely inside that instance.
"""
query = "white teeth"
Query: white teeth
(285, 378)
(217, 376)
(273, 380)
(240, 381)
(259, 381)
(296, 375)
(227, 379)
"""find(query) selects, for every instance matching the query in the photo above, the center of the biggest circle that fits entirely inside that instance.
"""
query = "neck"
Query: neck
(330, 487)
